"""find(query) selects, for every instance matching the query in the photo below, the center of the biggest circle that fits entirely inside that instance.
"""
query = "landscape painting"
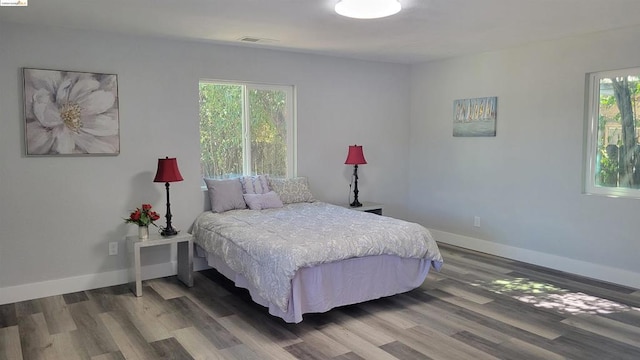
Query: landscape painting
(475, 117)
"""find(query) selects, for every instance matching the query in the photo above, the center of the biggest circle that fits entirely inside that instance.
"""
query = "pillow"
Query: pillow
(256, 184)
(225, 194)
(292, 190)
(263, 201)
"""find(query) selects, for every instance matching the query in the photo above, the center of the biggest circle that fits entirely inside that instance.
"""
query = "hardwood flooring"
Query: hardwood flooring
(478, 307)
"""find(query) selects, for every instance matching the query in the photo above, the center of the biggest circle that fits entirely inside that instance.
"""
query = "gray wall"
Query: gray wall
(59, 214)
(525, 183)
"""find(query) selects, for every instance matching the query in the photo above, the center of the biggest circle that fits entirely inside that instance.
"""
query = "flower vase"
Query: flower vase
(143, 232)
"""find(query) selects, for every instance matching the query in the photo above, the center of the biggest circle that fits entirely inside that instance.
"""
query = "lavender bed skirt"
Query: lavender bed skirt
(320, 288)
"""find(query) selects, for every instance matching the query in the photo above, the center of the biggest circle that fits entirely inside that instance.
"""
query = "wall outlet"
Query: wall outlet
(476, 221)
(113, 248)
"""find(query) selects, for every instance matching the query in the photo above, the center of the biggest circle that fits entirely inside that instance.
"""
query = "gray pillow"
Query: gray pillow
(292, 190)
(225, 194)
(269, 200)
(255, 184)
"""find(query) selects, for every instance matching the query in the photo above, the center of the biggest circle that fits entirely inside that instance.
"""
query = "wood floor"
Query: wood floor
(478, 307)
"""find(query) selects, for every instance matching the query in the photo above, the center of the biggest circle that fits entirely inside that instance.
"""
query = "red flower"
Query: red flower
(143, 216)
(135, 216)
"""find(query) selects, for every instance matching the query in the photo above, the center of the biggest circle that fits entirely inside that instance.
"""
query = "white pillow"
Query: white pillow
(292, 190)
(225, 194)
(263, 201)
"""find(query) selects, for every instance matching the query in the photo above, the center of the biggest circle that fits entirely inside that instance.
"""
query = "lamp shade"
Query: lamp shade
(367, 9)
(168, 171)
(355, 156)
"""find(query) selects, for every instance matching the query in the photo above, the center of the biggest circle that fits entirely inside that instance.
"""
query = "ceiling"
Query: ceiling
(424, 30)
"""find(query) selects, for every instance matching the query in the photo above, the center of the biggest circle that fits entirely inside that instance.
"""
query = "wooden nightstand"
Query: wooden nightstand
(185, 257)
(369, 207)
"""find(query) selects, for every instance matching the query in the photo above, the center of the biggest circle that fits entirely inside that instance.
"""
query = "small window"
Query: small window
(246, 129)
(613, 150)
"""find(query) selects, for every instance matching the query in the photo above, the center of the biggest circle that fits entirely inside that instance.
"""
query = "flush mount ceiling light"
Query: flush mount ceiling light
(367, 9)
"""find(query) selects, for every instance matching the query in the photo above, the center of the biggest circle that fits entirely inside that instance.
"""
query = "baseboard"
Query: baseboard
(578, 267)
(11, 294)
(200, 263)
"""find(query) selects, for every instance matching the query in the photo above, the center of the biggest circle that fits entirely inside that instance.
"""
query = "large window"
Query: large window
(246, 129)
(613, 150)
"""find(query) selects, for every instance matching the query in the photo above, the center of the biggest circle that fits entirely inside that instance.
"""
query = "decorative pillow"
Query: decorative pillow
(292, 190)
(256, 184)
(263, 201)
(225, 194)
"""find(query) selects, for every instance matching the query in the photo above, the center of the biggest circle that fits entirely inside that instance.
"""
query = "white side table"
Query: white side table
(185, 257)
(369, 207)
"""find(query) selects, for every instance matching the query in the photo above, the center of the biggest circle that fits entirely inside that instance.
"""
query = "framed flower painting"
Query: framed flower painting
(70, 113)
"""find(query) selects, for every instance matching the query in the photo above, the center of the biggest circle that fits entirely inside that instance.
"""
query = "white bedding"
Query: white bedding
(268, 247)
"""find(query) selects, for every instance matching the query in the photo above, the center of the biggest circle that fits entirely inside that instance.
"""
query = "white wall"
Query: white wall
(57, 215)
(525, 183)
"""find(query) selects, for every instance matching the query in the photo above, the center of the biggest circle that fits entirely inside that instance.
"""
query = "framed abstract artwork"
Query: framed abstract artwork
(475, 117)
(70, 113)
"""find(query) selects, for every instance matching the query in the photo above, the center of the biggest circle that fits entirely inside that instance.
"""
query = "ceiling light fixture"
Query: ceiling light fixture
(367, 9)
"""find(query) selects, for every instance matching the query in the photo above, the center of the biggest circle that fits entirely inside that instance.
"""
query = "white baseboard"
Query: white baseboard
(578, 267)
(11, 294)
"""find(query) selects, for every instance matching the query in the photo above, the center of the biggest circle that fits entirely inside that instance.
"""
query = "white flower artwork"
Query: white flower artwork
(71, 113)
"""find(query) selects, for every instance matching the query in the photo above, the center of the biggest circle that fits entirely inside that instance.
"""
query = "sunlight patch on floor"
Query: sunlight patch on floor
(549, 296)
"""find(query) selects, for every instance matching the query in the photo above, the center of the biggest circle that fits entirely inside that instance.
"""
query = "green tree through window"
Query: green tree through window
(614, 128)
(246, 129)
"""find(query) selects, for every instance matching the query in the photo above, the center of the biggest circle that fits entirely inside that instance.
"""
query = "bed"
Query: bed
(307, 256)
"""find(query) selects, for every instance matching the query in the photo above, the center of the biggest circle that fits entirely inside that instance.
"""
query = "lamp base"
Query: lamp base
(169, 232)
(355, 202)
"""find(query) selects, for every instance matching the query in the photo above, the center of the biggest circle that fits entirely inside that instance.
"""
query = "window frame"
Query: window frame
(593, 113)
(290, 119)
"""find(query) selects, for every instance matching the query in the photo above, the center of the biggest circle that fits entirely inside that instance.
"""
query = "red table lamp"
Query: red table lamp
(168, 172)
(355, 158)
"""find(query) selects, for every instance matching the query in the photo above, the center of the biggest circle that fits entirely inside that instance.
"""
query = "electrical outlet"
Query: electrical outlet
(476, 221)
(113, 248)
